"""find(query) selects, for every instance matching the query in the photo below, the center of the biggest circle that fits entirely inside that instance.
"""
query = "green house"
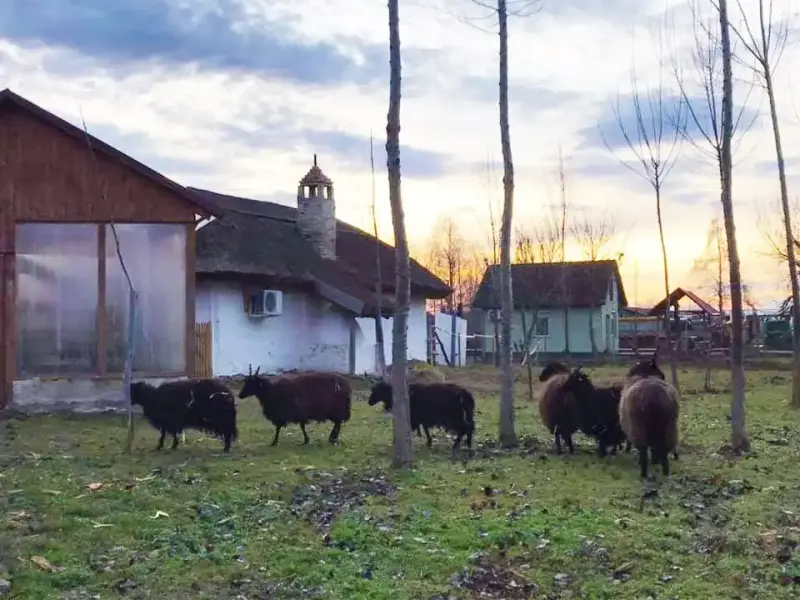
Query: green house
(589, 294)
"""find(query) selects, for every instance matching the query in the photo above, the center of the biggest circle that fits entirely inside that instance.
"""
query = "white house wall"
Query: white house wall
(417, 338)
(307, 336)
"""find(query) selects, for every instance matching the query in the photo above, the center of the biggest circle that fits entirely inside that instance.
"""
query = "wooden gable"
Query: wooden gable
(49, 173)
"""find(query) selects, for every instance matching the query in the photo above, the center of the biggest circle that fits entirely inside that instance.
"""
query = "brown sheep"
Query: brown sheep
(648, 414)
(558, 410)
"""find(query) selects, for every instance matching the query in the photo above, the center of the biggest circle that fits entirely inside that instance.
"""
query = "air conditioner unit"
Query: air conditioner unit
(265, 303)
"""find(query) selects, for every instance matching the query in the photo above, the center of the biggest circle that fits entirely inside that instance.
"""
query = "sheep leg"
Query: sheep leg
(665, 464)
(277, 433)
(456, 444)
(601, 448)
(429, 443)
(334, 436)
(305, 435)
(643, 460)
(558, 442)
(175, 440)
(227, 442)
(570, 447)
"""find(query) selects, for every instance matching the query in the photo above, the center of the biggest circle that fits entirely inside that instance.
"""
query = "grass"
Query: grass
(322, 522)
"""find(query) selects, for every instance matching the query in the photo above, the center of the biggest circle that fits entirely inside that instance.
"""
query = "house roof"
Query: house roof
(539, 284)
(261, 239)
(9, 98)
(676, 295)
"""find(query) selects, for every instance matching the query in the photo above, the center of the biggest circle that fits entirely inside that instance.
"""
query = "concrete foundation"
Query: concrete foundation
(76, 395)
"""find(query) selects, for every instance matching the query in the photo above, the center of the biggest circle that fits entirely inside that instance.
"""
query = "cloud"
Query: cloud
(608, 132)
(223, 35)
(354, 150)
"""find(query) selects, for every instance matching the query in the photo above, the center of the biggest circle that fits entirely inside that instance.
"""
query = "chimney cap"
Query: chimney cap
(315, 176)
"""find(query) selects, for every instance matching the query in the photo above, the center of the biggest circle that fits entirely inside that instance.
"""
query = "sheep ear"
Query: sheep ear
(249, 370)
(257, 370)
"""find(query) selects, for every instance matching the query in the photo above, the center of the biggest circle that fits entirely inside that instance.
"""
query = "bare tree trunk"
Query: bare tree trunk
(739, 438)
(790, 254)
(672, 358)
(402, 416)
(562, 182)
(528, 338)
(508, 436)
(381, 356)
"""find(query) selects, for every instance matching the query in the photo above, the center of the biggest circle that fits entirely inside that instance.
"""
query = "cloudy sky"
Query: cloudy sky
(236, 96)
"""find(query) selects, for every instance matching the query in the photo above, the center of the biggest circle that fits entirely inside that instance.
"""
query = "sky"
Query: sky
(237, 95)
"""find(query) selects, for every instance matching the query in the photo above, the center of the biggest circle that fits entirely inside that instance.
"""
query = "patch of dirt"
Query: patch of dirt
(324, 495)
(495, 577)
(705, 503)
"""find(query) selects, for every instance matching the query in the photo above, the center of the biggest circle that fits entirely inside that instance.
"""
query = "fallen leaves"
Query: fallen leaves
(45, 565)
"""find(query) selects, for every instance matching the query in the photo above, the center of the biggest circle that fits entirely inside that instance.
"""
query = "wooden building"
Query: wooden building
(63, 290)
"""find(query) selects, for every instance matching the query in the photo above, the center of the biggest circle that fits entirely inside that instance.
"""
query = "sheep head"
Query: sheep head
(253, 384)
(646, 368)
(381, 392)
(551, 369)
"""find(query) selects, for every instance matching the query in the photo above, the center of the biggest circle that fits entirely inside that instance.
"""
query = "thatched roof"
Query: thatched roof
(260, 241)
(538, 285)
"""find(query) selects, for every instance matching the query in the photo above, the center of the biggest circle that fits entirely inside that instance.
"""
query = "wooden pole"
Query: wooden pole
(130, 351)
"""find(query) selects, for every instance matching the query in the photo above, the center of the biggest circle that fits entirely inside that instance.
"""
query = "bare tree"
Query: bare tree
(508, 436)
(712, 267)
(381, 356)
(739, 439)
(594, 233)
(565, 292)
(447, 254)
(502, 10)
(540, 243)
(494, 241)
(402, 416)
(655, 140)
(712, 61)
(765, 44)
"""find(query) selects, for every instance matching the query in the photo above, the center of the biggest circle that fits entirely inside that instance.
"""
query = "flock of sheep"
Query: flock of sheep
(641, 412)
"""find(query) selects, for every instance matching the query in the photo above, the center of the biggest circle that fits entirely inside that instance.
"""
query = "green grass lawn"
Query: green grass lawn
(336, 522)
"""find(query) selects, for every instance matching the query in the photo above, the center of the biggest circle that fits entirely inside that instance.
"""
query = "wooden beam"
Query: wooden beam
(191, 294)
(101, 299)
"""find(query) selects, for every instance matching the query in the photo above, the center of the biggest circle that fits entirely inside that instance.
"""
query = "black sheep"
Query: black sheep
(301, 398)
(598, 410)
(646, 368)
(172, 407)
(445, 405)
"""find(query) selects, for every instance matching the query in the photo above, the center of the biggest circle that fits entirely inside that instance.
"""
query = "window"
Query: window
(57, 292)
(542, 326)
(155, 257)
(58, 267)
